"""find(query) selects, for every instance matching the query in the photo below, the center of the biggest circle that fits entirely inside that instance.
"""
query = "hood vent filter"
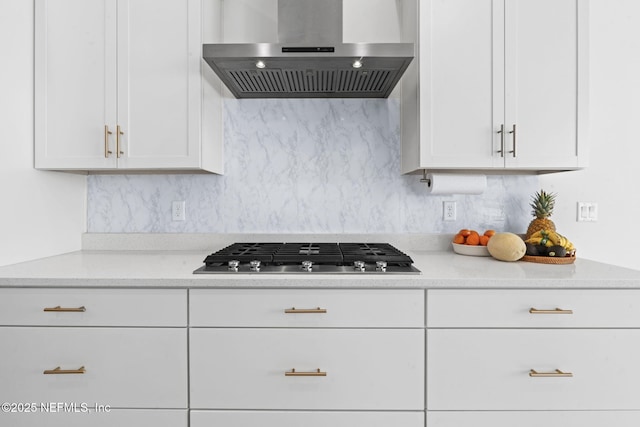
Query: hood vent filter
(256, 83)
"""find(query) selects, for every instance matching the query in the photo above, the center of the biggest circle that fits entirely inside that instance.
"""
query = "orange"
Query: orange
(484, 240)
(473, 239)
(464, 232)
(489, 233)
(458, 238)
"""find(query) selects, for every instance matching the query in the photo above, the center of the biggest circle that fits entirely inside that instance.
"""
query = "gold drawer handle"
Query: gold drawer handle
(59, 309)
(305, 310)
(555, 311)
(294, 373)
(57, 370)
(556, 373)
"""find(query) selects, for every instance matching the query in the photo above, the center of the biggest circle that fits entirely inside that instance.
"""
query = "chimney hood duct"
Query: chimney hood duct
(310, 60)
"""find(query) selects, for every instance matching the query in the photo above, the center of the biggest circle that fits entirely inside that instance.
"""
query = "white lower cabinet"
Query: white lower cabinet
(533, 308)
(328, 369)
(526, 358)
(307, 308)
(93, 357)
(306, 419)
(577, 369)
(93, 307)
(512, 358)
(533, 419)
(118, 367)
(101, 418)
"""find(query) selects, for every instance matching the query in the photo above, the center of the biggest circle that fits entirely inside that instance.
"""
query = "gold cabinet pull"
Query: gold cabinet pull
(555, 373)
(58, 371)
(58, 309)
(294, 373)
(501, 132)
(119, 133)
(294, 310)
(107, 132)
(554, 311)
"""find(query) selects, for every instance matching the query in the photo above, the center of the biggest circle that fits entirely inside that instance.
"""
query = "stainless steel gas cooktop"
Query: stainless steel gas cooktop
(308, 258)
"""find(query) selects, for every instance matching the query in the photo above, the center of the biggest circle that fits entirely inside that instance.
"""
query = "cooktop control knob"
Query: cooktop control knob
(358, 265)
(233, 265)
(307, 265)
(254, 265)
(381, 266)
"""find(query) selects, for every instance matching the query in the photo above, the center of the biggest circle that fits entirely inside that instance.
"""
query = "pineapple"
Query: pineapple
(542, 204)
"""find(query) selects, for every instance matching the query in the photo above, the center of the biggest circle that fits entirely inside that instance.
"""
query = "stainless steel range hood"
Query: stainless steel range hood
(310, 60)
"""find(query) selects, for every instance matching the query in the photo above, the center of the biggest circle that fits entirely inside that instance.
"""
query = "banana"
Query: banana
(550, 238)
(540, 240)
(556, 238)
(562, 241)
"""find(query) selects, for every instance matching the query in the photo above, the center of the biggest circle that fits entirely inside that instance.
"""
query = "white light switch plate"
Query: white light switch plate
(587, 212)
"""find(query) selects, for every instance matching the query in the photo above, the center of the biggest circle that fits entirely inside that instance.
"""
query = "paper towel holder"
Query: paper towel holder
(425, 179)
(453, 183)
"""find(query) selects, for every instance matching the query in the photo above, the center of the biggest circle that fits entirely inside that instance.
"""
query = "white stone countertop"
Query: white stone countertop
(174, 269)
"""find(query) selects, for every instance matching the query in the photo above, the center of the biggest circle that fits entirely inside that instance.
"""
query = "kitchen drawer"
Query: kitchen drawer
(511, 308)
(125, 367)
(344, 308)
(113, 418)
(534, 419)
(306, 419)
(366, 369)
(102, 307)
(489, 369)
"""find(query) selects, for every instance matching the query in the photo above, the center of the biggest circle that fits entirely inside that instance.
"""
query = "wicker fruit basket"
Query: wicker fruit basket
(550, 259)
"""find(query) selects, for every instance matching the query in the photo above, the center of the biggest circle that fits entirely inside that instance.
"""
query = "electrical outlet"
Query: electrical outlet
(587, 211)
(449, 210)
(178, 210)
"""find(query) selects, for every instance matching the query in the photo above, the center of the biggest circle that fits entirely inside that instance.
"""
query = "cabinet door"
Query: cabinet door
(533, 308)
(491, 369)
(365, 369)
(461, 91)
(545, 94)
(122, 367)
(93, 307)
(75, 83)
(159, 86)
(350, 308)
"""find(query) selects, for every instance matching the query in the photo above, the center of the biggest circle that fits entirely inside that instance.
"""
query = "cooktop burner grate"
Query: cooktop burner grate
(372, 252)
(244, 252)
(319, 253)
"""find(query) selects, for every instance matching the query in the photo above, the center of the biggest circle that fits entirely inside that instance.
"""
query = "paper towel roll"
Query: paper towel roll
(442, 183)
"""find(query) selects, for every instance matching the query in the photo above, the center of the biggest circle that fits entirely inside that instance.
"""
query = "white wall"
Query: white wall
(612, 178)
(41, 213)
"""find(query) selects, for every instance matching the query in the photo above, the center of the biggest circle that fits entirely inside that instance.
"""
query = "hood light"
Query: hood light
(357, 63)
(260, 64)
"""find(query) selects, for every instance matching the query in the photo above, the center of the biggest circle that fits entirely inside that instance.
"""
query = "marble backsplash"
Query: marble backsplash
(303, 166)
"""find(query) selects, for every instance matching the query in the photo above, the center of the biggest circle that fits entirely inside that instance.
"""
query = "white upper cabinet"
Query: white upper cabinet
(496, 85)
(75, 83)
(119, 86)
